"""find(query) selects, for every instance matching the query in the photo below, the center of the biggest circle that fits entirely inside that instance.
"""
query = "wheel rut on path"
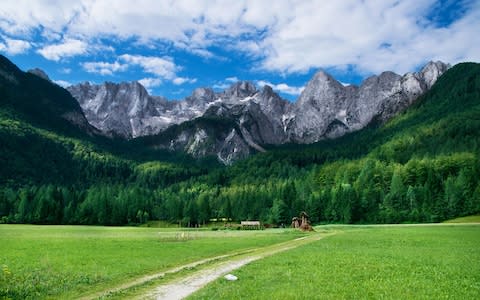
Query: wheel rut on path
(185, 286)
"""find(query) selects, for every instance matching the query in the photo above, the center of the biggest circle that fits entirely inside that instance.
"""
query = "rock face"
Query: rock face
(205, 136)
(325, 109)
(127, 110)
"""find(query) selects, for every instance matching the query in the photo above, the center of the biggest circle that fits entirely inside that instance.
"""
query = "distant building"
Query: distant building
(251, 225)
(303, 222)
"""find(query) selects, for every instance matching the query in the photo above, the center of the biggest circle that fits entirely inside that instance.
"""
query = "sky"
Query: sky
(175, 46)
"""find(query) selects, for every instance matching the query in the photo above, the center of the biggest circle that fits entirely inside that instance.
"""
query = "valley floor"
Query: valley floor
(336, 261)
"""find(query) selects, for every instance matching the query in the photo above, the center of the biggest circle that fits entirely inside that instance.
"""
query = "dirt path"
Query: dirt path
(185, 286)
(151, 277)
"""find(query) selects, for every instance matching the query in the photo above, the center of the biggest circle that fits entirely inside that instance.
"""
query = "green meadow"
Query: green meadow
(64, 262)
(356, 262)
(366, 262)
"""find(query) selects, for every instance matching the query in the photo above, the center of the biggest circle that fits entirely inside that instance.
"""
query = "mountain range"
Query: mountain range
(421, 165)
(252, 118)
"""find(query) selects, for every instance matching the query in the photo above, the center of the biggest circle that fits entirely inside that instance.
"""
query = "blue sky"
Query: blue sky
(173, 47)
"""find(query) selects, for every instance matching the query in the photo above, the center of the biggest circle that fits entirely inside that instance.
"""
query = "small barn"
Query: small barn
(251, 225)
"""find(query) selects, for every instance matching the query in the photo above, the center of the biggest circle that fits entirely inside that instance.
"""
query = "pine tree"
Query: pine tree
(394, 202)
(204, 208)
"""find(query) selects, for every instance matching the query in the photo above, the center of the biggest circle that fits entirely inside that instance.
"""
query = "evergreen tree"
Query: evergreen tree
(278, 213)
(204, 214)
(394, 203)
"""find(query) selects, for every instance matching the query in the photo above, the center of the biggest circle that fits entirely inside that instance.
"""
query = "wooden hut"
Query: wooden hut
(305, 222)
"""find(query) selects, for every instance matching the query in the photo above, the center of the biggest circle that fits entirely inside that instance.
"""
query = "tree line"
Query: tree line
(363, 191)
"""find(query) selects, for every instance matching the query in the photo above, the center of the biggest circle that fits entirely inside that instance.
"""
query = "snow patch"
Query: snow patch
(219, 100)
(246, 99)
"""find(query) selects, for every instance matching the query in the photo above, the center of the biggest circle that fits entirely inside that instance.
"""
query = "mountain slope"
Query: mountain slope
(422, 166)
(46, 139)
(39, 100)
(44, 135)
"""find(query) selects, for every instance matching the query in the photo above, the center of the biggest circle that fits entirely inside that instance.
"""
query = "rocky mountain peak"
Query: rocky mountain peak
(388, 77)
(127, 88)
(320, 89)
(431, 71)
(201, 96)
(121, 109)
(267, 90)
(271, 102)
(321, 75)
(241, 89)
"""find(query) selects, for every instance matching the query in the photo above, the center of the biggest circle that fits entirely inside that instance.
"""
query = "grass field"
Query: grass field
(369, 262)
(468, 219)
(64, 262)
(392, 262)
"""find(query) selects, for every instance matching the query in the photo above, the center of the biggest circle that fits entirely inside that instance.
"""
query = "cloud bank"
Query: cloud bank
(284, 36)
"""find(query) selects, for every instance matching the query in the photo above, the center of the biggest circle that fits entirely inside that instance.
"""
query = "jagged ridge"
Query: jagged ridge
(325, 109)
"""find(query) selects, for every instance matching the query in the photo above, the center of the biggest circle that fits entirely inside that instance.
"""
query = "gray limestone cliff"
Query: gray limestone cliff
(325, 109)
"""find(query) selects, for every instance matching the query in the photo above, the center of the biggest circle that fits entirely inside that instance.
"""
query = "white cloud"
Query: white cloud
(163, 67)
(24, 16)
(221, 86)
(68, 48)
(226, 83)
(340, 33)
(62, 83)
(283, 36)
(282, 87)
(182, 80)
(150, 82)
(202, 52)
(13, 46)
(104, 68)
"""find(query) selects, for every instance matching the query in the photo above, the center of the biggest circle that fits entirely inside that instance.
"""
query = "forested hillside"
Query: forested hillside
(48, 162)
(422, 166)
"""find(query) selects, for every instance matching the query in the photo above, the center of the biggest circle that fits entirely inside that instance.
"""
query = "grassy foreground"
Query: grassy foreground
(434, 262)
(64, 262)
